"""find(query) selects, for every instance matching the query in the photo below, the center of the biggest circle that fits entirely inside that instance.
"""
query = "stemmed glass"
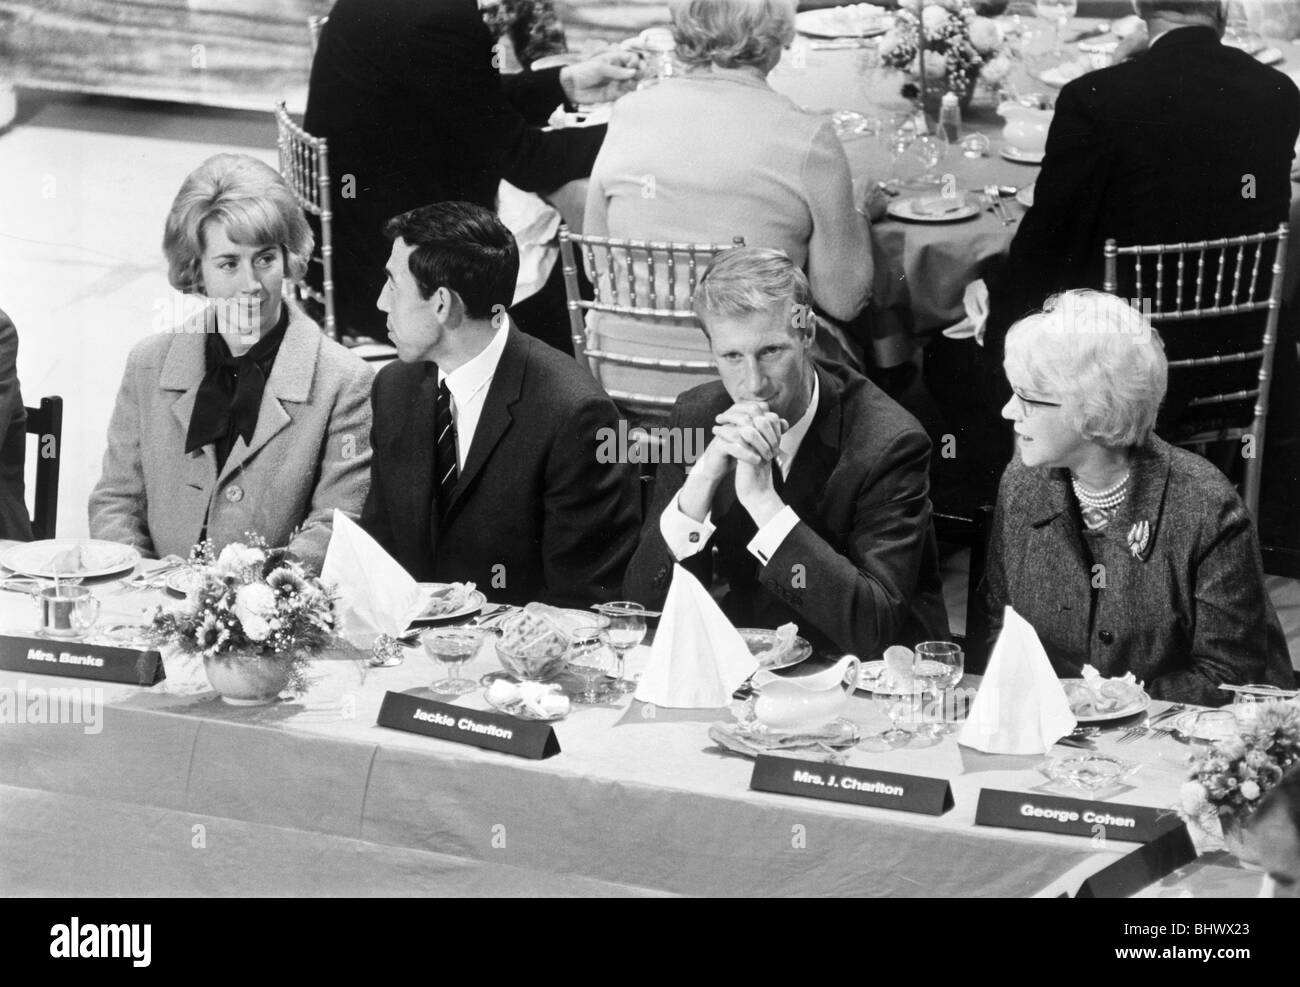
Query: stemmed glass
(590, 657)
(626, 631)
(937, 667)
(898, 136)
(930, 150)
(452, 646)
(1060, 12)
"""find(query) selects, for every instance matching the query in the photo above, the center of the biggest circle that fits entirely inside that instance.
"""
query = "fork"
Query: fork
(994, 195)
(1132, 734)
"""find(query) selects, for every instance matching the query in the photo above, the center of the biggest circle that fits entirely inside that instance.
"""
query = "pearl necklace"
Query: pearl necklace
(1102, 500)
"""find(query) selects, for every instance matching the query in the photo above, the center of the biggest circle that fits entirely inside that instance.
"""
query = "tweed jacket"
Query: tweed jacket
(860, 570)
(1176, 594)
(310, 453)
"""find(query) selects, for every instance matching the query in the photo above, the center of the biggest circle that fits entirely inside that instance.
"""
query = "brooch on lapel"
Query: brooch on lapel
(1139, 536)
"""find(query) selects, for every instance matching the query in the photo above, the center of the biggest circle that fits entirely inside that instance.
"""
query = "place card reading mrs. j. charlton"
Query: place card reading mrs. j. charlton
(860, 786)
(1076, 817)
(77, 660)
(495, 731)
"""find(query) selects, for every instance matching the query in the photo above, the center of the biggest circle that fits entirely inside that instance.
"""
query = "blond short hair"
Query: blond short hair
(732, 33)
(253, 202)
(1101, 359)
(743, 280)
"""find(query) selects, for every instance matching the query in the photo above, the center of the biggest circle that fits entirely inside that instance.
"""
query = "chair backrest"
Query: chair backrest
(972, 532)
(304, 163)
(46, 423)
(314, 26)
(1231, 290)
(645, 280)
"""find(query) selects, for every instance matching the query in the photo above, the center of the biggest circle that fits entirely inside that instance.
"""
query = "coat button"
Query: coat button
(1106, 637)
(234, 493)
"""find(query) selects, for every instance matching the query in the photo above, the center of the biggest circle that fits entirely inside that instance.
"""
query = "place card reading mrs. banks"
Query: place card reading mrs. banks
(77, 660)
(860, 786)
(495, 731)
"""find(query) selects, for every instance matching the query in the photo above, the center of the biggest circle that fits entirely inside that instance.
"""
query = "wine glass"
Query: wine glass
(452, 646)
(626, 631)
(937, 666)
(590, 656)
(898, 135)
(929, 150)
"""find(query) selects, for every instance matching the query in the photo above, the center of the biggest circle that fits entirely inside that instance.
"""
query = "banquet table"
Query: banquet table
(172, 792)
(923, 269)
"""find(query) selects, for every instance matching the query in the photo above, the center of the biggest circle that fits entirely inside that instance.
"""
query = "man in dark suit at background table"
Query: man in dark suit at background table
(814, 488)
(486, 464)
(408, 95)
(1187, 140)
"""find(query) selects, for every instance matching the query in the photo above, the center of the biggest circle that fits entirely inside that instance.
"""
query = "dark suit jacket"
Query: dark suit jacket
(416, 112)
(860, 571)
(1153, 150)
(14, 519)
(1187, 614)
(535, 515)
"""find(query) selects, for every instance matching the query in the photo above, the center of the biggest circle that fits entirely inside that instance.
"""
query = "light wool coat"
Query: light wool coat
(310, 452)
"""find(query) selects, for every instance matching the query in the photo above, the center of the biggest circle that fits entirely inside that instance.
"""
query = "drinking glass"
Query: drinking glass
(898, 135)
(938, 667)
(66, 610)
(626, 631)
(929, 150)
(590, 656)
(452, 647)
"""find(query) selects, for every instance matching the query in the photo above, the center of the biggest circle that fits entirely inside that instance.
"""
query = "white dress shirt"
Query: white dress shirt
(468, 385)
(685, 536)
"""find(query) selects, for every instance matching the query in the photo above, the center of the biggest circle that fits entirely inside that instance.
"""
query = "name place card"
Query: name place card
(78, 660)
(1074, 817)
(494, 731)
(860, 786)
(1142, 867)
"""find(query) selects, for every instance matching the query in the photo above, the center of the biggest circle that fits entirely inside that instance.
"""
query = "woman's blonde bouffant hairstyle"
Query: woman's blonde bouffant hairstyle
(253, 202)
(732, 33)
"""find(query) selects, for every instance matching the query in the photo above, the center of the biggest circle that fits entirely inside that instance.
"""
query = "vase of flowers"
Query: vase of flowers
(960, 48)
(255, 616)
(1227, 780)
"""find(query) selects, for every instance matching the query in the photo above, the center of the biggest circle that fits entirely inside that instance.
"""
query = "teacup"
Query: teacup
(66, 611)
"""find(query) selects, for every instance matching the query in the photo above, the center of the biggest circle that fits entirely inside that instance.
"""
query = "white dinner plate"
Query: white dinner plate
(98, 558)
(473, 604)
(905, 210)
(1194, 725)
(861, 20)
(758, 639)
(1132, 709)
(1021, 157)
(1026, 196)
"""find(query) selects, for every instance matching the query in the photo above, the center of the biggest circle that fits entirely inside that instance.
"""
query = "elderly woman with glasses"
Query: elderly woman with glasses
(245, 418)
(1123, 552)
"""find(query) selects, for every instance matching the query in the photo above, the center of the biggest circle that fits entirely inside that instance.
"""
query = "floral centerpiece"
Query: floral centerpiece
(255, 616)
(961, 47)
(1228, 780)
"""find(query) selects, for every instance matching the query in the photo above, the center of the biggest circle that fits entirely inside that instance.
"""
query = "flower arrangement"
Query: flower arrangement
(960, 46)
(251, 600)
(1227, 781)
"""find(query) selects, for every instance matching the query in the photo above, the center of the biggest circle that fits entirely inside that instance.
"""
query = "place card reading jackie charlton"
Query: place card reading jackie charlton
(77, 660)
(494, 731)
(859, 786)
(1075, 817)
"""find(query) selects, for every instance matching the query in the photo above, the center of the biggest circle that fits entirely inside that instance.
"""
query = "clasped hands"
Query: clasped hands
(746, 439)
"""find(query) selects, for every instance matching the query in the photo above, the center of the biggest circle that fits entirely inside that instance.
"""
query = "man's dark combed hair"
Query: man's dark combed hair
(463, 247)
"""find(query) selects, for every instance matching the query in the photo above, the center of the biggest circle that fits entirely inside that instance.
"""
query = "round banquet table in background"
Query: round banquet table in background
(923, 269)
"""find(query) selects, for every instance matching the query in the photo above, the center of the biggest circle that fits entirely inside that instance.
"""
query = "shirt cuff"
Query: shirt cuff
(684, 536)
(764, 544)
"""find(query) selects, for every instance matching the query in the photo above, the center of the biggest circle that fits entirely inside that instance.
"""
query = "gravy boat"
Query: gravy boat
(807, 701)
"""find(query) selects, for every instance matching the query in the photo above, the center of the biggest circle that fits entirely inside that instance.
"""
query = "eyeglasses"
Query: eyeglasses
(1028, 404)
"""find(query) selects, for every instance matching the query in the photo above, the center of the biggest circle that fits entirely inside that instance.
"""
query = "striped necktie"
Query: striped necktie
(445, 464)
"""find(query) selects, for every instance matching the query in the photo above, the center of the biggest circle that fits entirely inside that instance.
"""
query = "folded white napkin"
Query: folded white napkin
(698, 659)
(534, 223)
(376, 595)
(1021, 706)
(976, 300)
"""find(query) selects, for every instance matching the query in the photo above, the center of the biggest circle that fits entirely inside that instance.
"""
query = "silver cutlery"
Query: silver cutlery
(1132, 734)
(993, 194)
(1172, 711)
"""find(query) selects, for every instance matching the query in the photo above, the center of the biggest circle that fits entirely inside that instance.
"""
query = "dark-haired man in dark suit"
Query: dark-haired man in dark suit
(813, 489)
(485, 441)
(408, 94)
